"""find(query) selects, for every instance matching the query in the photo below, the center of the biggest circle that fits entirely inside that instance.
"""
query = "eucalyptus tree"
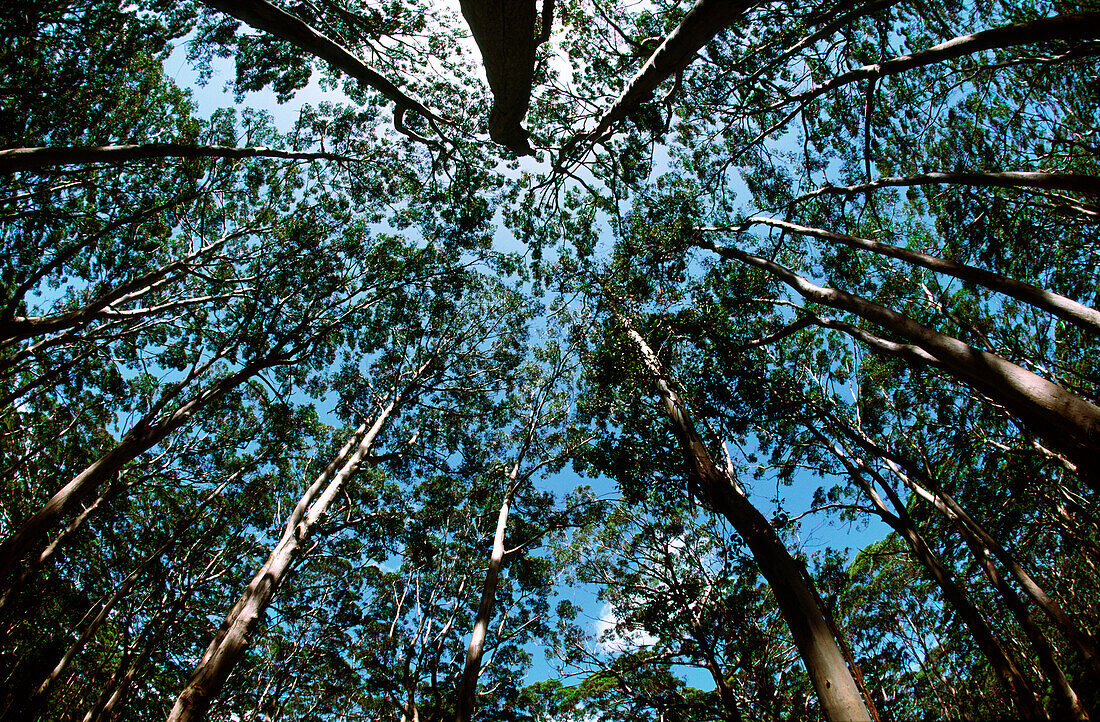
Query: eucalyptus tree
(903, 196)
(717, 485)
(680, 594)
(424, 359)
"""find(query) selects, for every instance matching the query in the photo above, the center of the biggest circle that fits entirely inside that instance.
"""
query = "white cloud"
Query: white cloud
(610, 639)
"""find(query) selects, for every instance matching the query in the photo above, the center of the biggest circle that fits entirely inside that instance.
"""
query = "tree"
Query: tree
(846, 245)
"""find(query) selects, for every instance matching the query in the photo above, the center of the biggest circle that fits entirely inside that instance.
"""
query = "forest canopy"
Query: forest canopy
(551, 360)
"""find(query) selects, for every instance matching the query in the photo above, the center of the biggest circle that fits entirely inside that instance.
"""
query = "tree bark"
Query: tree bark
(703, 21)
(832, 680)
(1076, 182)
(1006, 669)
(505, 33)
(1068, 422)
(271, 19)
(467, 694)
(1076, 313)
(107, 605)
(148, 432)
(968, 527)
(16, 328)
(16, 159)
(1077, 26)
(233, 638)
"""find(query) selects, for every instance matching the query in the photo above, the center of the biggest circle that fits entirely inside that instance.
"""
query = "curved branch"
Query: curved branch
(1067, 421)
(1076, 182)
(705, 20)
(1076, 26)
(1065, 308)
(264, 16)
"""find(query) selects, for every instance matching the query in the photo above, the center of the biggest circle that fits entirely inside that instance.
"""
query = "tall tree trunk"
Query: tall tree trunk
(107, 605)
(467, 690)
(505, 33)
(15, 159)
(1067, 421)
(1056, 304)
(233, 638)
(147, 433)
(467, 694)
(1006, 669)
(38, 561)
(836, 689)
(271, 19)
(968, 527)
(138, 652)
(702, 22)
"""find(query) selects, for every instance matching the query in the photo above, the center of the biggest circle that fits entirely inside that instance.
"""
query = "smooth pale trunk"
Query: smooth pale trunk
(467, 695)
(840, 697)
(1065, 308)
(1066, 421)
(147, 433)
(1006, 669)
(233, 638)
(281, 24)
(702, 22)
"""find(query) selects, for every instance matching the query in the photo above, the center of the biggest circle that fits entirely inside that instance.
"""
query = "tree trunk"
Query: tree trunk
(271, 19)
(1077, 182)
(107, 605)
(21, 327)
(148, 432)
(16, 159)
(836, 689)
(233, 638)
(1006, 669)
(1077, 26)
(1058, 305)
(701, 23)
(982, 543)
(467, 694)
(505, 33)
(970, 528)
(1067, 421)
